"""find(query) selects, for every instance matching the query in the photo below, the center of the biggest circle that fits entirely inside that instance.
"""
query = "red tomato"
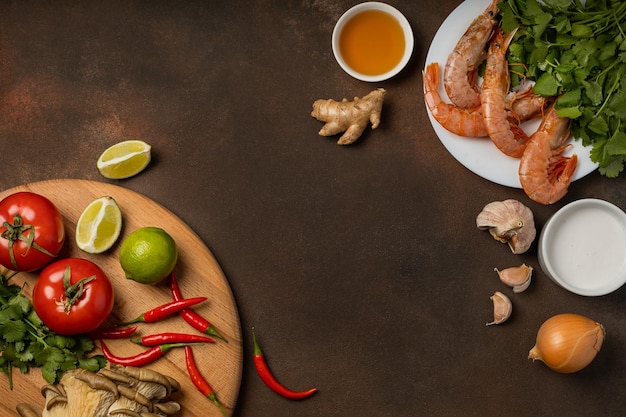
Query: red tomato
(25, 216)
(73, 296)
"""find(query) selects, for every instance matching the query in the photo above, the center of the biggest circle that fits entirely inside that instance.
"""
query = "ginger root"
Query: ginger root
(350, 117)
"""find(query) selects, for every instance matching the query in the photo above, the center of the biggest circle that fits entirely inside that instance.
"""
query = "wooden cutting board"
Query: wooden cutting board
(197, 272)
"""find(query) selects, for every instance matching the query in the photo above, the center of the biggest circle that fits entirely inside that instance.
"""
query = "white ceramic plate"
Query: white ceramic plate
(479, 155)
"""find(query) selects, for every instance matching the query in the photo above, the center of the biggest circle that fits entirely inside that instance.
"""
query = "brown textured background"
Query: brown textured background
(360, 267)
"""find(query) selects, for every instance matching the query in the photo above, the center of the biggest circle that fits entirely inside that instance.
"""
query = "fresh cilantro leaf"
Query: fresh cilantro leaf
(608, 51)
(569, 99)
(594, 92)
(68, 363)
(93, 364)
(541, 23)
(617, 104)
(569, 112)
(581, 31)
(84, 345)
(51, 372)
(509, 20)
(547, 85)
(558, 4)
(613, 168)
(14, 331)
(533, 8)
(21, 302)
(616, 145)
(598, 125)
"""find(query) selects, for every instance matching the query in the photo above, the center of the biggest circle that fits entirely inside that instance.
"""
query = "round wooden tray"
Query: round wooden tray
(197, 272)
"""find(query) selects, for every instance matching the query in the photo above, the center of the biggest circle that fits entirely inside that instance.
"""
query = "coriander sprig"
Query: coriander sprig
(25, 342)
(576, 53)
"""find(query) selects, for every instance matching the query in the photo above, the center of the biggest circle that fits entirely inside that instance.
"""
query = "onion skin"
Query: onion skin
(567, 343)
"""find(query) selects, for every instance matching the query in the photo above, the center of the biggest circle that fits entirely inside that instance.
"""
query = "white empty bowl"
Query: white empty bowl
(381, 42)
(582, 247)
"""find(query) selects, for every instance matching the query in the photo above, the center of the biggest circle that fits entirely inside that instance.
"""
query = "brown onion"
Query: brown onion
(567, 343)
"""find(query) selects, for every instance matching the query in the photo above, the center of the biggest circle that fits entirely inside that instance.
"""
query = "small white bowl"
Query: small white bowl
(373, 5)
(582, 247)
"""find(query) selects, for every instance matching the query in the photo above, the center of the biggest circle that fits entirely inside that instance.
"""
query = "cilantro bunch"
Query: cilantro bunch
(576, 51)
(25, 342)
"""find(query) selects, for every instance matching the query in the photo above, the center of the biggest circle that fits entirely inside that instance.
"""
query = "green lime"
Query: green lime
(148, 255)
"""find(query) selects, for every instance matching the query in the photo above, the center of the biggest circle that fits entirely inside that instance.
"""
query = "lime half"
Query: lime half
(99, 225)
(124, 159)
(148, 255)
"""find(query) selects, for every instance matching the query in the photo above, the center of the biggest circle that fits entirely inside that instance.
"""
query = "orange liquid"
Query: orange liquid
(372, 42)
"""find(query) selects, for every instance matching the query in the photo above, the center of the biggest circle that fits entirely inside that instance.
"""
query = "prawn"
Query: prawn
(458, 120)
(460, 70)
(504, 131)
(545, 174)
(522, 106)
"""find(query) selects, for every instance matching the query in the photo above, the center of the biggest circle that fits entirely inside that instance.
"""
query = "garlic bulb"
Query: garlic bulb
(567, 343)
(502, 308)
(509, 221)
(517, 277)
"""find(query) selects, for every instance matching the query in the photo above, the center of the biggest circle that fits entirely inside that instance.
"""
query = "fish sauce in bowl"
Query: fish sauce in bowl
(372, 41)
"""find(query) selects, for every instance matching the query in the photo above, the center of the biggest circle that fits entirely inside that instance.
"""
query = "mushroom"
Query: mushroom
(509, 221)
(168, 408)
(27, 410)
(149, 383)
(117, 391)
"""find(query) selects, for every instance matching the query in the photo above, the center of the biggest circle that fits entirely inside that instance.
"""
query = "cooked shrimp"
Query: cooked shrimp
(460, 70)
(460, 121)
(544, 172)
(504, 132)
(525, 105)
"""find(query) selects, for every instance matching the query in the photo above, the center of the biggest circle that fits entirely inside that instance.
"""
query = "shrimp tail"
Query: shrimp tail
(460, 121)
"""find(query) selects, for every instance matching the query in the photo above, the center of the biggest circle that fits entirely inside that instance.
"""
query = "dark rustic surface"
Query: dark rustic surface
(360, 267)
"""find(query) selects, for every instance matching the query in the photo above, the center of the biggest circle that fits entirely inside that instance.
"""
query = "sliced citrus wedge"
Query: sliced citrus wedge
(99, 225)
(124, 159)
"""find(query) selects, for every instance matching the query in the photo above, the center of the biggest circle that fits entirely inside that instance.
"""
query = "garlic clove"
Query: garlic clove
(516, 277)
(502, 308)
(509, 221)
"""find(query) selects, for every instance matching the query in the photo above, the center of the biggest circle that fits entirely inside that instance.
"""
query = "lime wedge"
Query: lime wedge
(124, 159)
(99, 225)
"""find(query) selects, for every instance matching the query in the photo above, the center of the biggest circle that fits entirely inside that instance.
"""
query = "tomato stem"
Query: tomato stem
(73, 292)
(16, 231)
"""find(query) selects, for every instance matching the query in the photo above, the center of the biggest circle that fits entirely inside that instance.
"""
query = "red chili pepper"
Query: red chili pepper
(112, 333)
(165, 338)
(166, 310)
(198, 380)
(144, 358)
(191, 317)
(268, 378)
